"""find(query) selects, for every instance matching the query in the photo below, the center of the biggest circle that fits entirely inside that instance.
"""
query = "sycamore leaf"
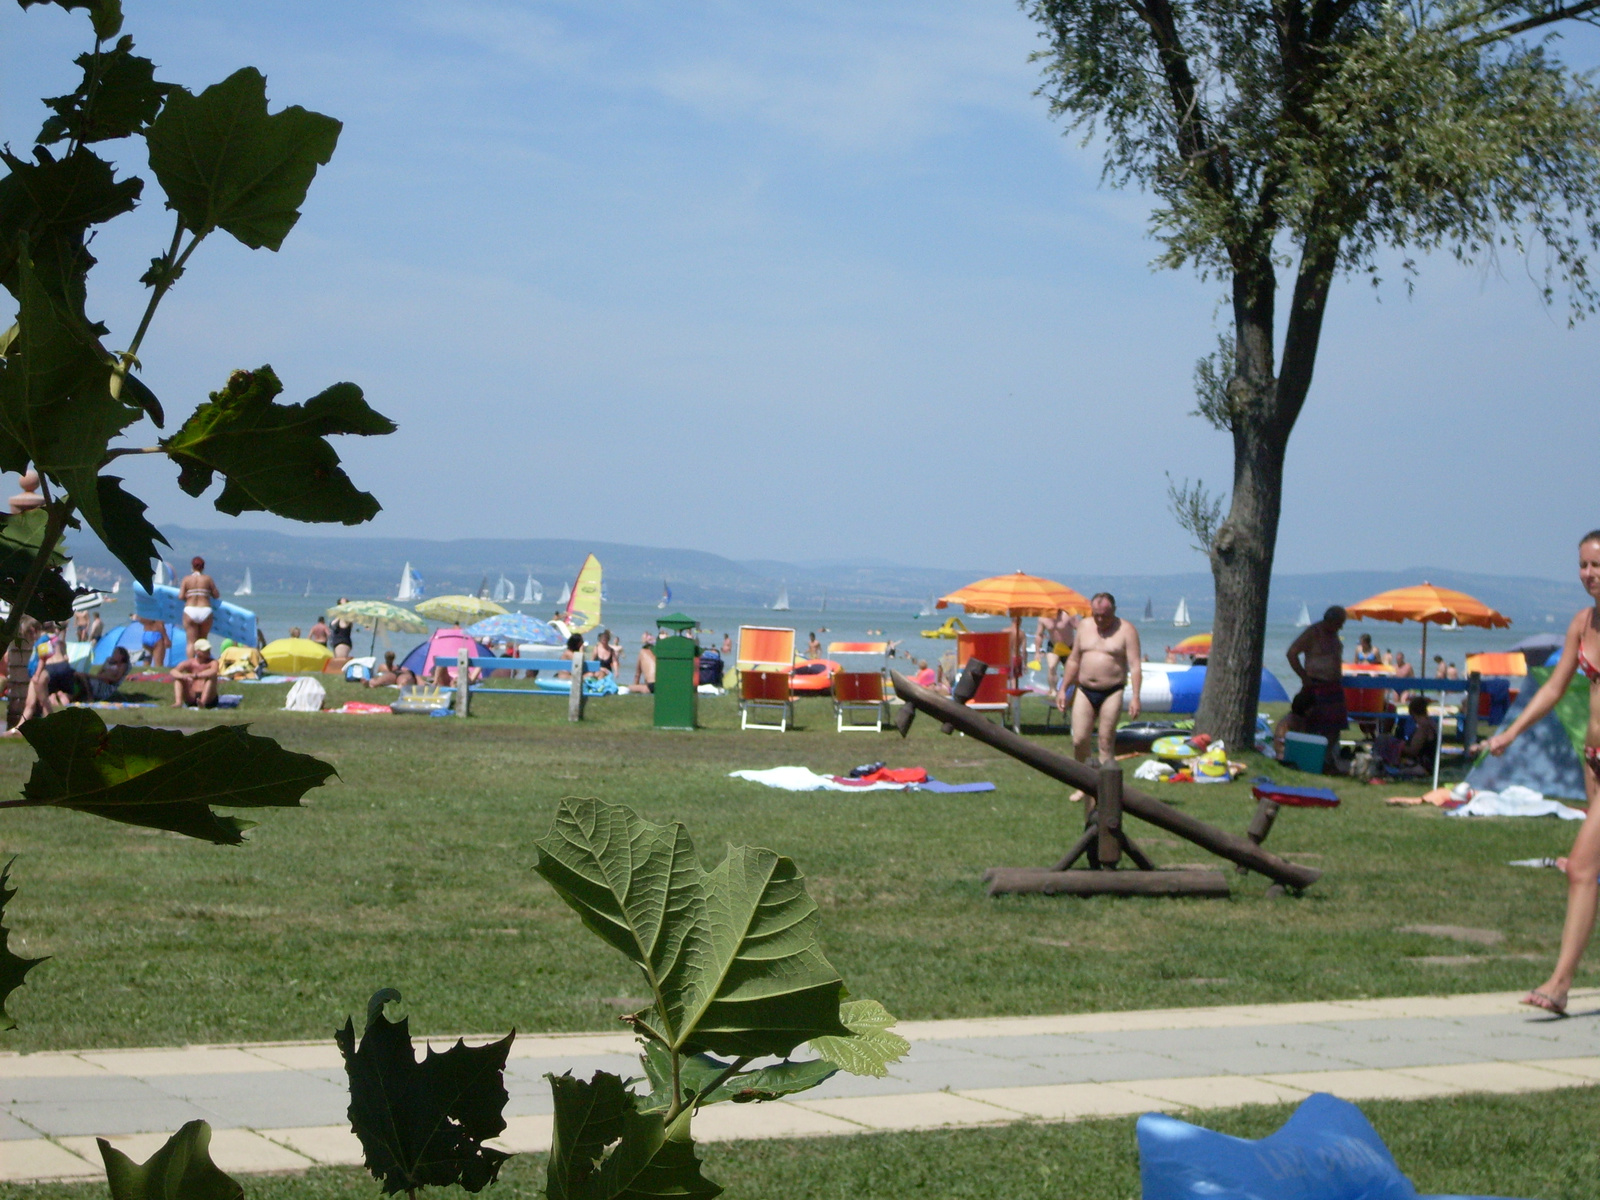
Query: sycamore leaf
(118, 96)
(181, 1170)
(48, 206)
(226, 164)
(163, 778)
(13, 968)
(870, 1048)
(424, 1123)
(275, 457)
(20, 538)
(698, 1072)
(104, 15)
(605, 1148)
(120, 522)
(730, 954)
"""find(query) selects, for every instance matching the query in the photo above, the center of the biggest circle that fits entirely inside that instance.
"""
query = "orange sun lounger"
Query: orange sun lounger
(766, 661)
(858, 684)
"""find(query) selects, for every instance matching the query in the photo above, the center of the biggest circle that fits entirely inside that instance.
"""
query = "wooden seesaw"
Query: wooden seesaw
(1104, 841)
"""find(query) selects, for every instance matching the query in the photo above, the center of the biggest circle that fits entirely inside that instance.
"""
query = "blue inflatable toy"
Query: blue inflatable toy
(1326, 1151)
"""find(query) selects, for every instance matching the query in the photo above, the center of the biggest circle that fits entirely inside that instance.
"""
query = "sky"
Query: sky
(794, 281)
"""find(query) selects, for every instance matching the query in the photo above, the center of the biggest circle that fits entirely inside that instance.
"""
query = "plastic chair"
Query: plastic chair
(856, 690)
(765, 661)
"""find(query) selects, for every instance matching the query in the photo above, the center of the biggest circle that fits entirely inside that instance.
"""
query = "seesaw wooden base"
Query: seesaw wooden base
(1011, 880)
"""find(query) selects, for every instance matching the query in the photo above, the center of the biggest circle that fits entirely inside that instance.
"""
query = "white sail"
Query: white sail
(1304, 618)
(927, 608)
(781, 604)
(116, 585)
(162, 576)
(504, 591)
(1181, 618)
(566, 593)
(408, 589)
(533, 591)
(69, 573)
(245, 588)
(308, 587)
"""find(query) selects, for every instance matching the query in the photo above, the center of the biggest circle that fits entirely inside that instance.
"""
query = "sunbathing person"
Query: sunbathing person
(194, 680)
(1412, 755)
(104, 684)
(387, 675)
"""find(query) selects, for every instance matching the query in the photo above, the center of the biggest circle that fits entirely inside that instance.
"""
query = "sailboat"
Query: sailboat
(308, 587)
(781, 604)
(824, 607)
(69, 574)
(504, 590)
(245, 588)
(533, 591)
(483, 588)
(161, 576)
(927, 608)
(1304, 618)
(583, 606)
(666, 595)
(1149, 609)
(410, 585)
(566, 593)
(1180, 619)
(116, 585)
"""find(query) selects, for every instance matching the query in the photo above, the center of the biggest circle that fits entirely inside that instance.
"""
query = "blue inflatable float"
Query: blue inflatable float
(1326, 1151)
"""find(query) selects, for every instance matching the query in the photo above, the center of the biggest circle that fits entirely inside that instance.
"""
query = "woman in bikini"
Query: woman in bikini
(198, 591)
(1580, 652)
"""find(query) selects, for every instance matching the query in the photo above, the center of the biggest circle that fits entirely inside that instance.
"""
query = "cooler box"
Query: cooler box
(1305, 751)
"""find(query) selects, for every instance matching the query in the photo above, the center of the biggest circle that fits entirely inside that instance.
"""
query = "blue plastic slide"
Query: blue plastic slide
(1326, 1151)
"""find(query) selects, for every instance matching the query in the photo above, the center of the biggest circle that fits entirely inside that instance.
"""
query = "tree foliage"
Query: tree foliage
(13, 967)
(181, 1170)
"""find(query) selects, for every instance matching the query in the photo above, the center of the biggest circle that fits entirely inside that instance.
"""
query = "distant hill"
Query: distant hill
(281, 562)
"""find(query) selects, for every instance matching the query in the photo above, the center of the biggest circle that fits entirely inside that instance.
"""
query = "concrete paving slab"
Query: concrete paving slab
(776, 1119)
(1067, 1101)
(195, 1060)
(569, 1045)
(333, 1145)
(525, 1135)
(102, 1085)
(1027, 1045)
(1115, 1065)
(283, 1098)
(39, 1159)
(306, 1057)
(1584, 1068)
(1252, 1060)
(925, 1110)
(843, 1085)
(12, 1129)
(46, 1066)
(68, 1118)
(1497, 1077)
(1364, 1085)
(241, 1150)
(1396, 1053)
(1215, 1091)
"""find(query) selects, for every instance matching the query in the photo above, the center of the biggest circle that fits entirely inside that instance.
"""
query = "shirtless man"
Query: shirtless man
(1317, 656)
(194, 680)
(644, 669)
(1054, 638)
(1105, 657)
(197, 591)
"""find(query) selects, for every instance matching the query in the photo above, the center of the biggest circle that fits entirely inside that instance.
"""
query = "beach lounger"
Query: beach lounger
(766, 660)
(858, 685)
(422, 698)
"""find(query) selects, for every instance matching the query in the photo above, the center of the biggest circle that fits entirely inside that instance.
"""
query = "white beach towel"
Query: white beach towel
(1515, 801)
(803, 779)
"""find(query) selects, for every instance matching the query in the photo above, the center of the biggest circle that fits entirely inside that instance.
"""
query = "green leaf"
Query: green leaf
(870, 1048)
(697, 1072)
(46, 208)
(424, 1123)
(104, 15)
(13, 969)
(604, 1148)
(163, 778)
(56, 407)
(118, 96)
(274, 456)
(181, 1170)
(120, 522)
(20, 537)
(226, 164)
(730, 954)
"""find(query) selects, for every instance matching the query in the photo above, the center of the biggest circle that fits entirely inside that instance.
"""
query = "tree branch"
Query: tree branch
(1536, 21)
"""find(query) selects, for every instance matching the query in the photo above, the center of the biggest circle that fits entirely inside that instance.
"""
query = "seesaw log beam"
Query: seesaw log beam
(1075, 774)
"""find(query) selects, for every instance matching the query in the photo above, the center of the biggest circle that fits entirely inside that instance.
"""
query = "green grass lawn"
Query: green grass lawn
(413, 870)
(1498, 1145)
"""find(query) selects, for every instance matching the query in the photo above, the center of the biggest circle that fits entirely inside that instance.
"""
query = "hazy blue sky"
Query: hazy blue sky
(797, 281)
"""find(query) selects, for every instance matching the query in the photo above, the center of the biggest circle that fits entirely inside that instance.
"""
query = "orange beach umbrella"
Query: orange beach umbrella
(1017, 595)
(1429, 605)
(1197, 644)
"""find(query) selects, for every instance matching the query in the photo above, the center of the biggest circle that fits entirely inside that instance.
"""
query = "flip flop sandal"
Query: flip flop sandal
(1537, 999)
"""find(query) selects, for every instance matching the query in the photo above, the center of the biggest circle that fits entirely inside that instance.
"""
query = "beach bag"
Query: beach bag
(305, 696)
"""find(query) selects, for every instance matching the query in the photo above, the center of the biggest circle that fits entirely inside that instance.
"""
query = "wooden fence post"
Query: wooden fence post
(1108, 811)
(463, 690)
(575, 700)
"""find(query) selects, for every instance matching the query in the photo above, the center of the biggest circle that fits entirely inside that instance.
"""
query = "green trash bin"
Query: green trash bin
(677, 673)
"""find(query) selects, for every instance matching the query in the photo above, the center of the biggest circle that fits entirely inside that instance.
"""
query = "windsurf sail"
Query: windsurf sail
(666, 595)
(583, 605)
(245, 588)
(1181, 617)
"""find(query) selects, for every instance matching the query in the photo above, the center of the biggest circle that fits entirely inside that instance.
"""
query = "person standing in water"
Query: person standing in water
(1580, 652)
(197, 590)
(1104, 659)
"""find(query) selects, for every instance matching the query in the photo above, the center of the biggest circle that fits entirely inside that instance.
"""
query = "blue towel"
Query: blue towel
(934, 785)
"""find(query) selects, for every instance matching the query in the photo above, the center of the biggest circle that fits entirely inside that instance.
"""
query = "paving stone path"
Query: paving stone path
(281, 1106)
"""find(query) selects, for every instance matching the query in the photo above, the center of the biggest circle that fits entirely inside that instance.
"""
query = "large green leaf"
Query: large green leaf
(730, 954)
(13, 968)
(118, 96)
(104, 15)
(20, 537)
(275, 457)
(870, 1048)
(48, 206)
(120, 522)
(605, 1148)
(424, 1123)
(163, 778)
(226, 164)
(181, 1170)
(698, 1072)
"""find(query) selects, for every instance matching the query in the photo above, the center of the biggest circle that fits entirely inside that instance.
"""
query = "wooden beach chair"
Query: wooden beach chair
(858, 685)
(766, 660)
